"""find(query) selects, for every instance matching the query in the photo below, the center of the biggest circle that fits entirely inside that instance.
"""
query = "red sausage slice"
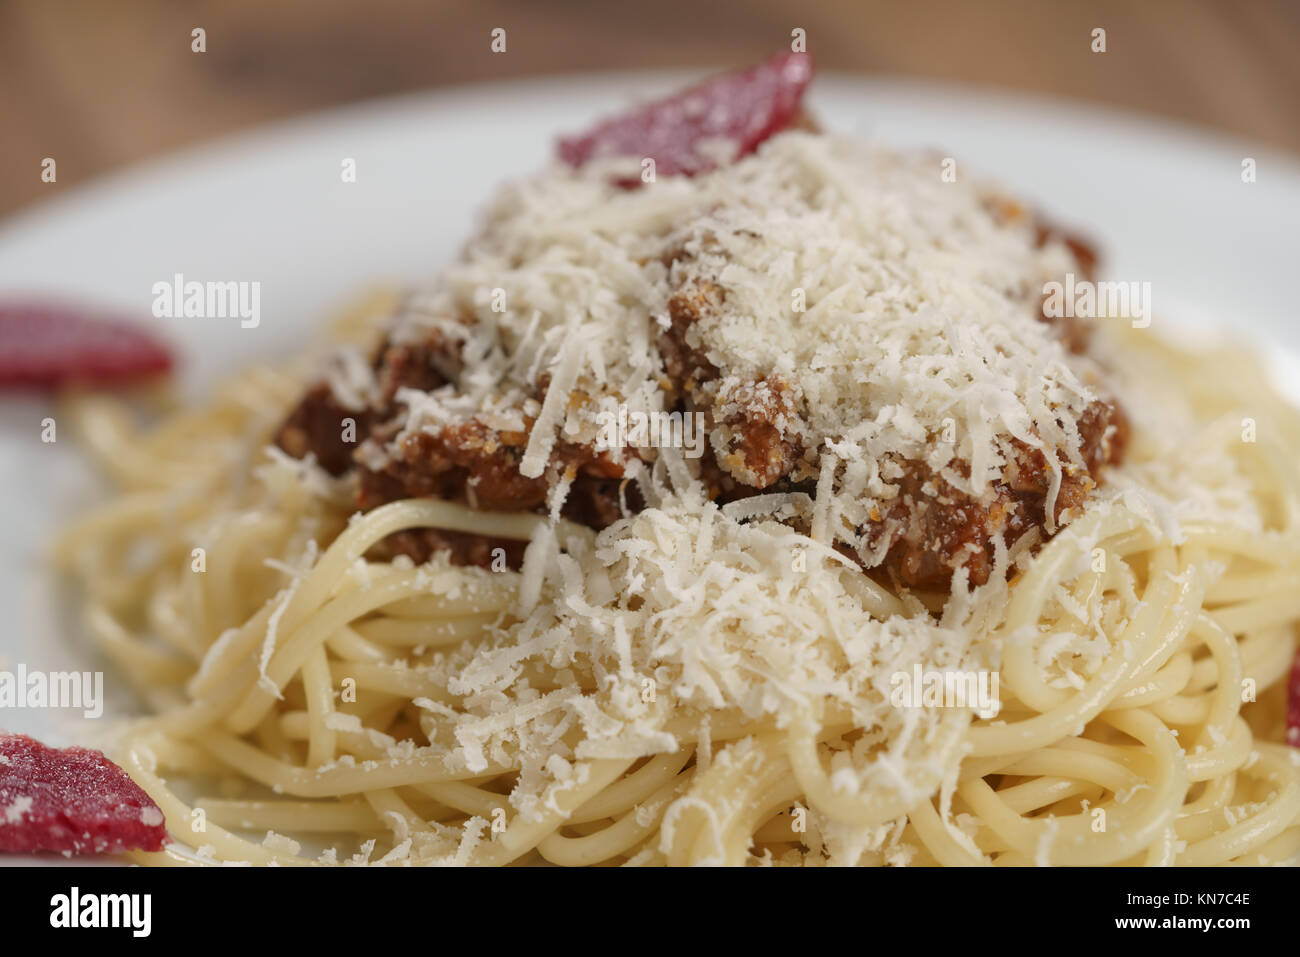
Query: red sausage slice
(1293, 705)
(71, 801)
(682, 133)
(44, 345)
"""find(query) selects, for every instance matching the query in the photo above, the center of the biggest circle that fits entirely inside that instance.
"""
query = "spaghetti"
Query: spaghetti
(951, 582)
(390, 712)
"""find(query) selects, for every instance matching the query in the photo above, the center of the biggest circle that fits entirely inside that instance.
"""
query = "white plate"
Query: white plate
(1166, 204)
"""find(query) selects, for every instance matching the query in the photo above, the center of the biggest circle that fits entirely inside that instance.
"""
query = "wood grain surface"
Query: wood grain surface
(98, 84)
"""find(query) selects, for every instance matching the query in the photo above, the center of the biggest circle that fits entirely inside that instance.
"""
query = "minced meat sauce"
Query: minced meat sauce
(933, 528)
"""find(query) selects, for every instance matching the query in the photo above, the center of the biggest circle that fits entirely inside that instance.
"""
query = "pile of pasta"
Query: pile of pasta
(611, 704)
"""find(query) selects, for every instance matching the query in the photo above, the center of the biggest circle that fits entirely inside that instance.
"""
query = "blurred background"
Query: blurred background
(100, 85)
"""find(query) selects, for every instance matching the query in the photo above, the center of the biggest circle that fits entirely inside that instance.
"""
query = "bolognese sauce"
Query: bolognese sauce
(930, 513)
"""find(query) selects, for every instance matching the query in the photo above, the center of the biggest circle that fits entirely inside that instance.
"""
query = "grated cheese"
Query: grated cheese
(920, 339)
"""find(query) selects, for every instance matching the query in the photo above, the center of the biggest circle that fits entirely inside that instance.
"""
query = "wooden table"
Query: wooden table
(99, 84)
